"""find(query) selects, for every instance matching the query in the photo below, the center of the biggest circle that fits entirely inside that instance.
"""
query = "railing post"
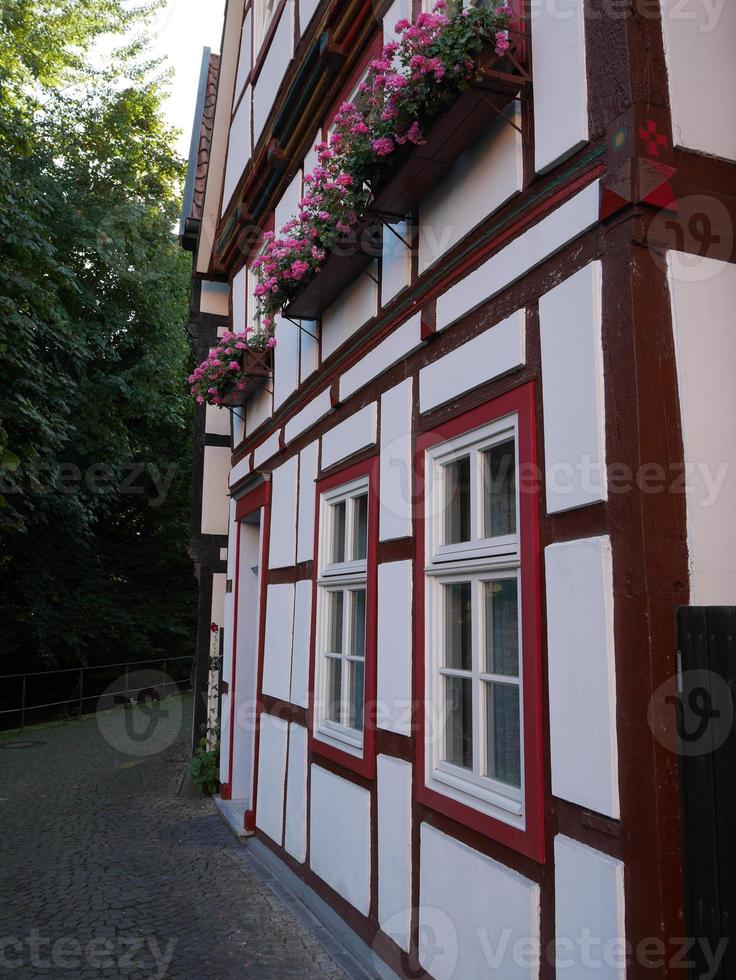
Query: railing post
(23, 705)
(166, 679)
(81, 690)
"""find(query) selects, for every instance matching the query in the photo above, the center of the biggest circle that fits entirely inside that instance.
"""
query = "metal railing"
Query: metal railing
(80, 695)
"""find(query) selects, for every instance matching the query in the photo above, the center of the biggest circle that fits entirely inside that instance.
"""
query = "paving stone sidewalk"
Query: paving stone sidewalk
(105, 872)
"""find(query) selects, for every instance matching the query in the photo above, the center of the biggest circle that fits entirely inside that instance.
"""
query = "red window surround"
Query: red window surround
(530, 840)
(364, 765)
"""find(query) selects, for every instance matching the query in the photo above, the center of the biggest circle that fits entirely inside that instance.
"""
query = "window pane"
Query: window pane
(337, 551)
(502, 626)
(357, 633)
(458, 626)
(335, 601)
(355, 709)
(360, 526)
(459, 731)
(457, 500)
(334, 688)
(503, 759)
(499, 495)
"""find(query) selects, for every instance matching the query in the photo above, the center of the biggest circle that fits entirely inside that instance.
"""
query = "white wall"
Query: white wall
(349, 437)
(240, 300)
(339, 836)
(244, 58)
(589, 902)
(283, 514)
(215, 500)
(582, 677)
(703, 298)
(288, 206)
(484, 177)
(300, 646)
(273, 70)
(313, 411)
(395, 260)
(542, 240)
(394, 646)
(258, 408)
(279, 632)
(473, 912)
(489, 355)
(401, 342)
(295, 834)
(572, 390)
(699, 40)
(308, 459)
(560, 84)
(214, 298)
(394, 849)
(356, 305)
(306, 12)
(274, 733)
(286, 360)
(396, 481)
(239, 149)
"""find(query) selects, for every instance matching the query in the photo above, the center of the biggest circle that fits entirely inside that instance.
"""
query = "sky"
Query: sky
(183, 29)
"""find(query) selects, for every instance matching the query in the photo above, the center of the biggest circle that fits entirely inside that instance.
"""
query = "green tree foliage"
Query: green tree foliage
(95, 421)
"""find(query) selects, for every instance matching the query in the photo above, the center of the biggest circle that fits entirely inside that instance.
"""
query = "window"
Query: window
(263, 13)
(342, 586)
(473, 603)
(478, 622)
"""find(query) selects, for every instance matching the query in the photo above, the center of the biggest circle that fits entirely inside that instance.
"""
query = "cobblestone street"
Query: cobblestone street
(105, 872)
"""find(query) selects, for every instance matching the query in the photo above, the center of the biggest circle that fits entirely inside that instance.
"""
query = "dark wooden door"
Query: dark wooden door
(707, 694)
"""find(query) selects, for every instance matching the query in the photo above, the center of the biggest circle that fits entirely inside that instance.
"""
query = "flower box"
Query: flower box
(257, 365)
(412, 173)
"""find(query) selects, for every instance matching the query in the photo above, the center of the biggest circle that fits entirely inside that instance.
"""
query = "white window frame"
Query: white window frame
(264, 12)
(477, 561)
(344, 576)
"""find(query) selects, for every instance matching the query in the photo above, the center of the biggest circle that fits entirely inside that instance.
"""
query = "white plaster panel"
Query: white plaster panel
(217, 609)
(288, 206)
(703, 297)
(268, 448)
(258, 408)
(309, 349)
(279, 635)
(274, 735)
(522, 254)
(217, 420)
(215, 498)
(282, 546)
(350, 436)
(308, 459)
(238, 421)
(245, 58)
(395, 497)
(306, 12)
(395, 347)
(489, 355)
(394, 849)
(572, 391)
(395, 260)
(582, 680)
(239, 300)
(273, 70)
(340, 836)
(560, 84)
(295, 834)
(589, 901)
(473, 913)
(215, 298)
(240, 470)
(316, 409)
(698, 44)
(484, 177)
(239, 148)
(286, 360)
(310, 160)
(347, 314)
(394, 646)
(300, 646)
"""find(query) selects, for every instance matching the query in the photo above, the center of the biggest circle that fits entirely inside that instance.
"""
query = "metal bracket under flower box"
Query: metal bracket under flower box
(416, 171)
(258, 366)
